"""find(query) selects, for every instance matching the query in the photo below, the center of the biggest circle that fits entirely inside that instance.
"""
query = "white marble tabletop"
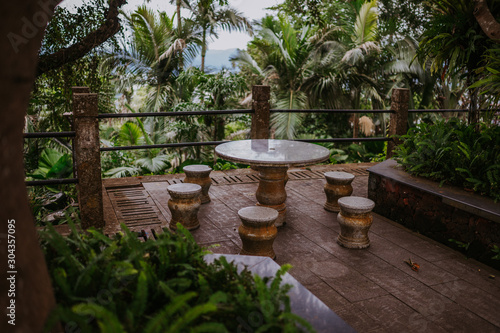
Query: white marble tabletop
(264, 152)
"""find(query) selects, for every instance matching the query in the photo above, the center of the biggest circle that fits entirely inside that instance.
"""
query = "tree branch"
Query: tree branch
(76, 51)
(486, 20)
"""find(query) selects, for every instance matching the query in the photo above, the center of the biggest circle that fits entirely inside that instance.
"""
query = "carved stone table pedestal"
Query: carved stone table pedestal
(271, 191)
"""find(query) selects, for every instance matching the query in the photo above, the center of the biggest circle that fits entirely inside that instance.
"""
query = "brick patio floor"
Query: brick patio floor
(373, 290)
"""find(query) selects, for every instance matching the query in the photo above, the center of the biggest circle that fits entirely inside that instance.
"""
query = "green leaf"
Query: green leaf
(139, 303)
(107, 321)
(191, 315)
(62, 168)
(48, 158)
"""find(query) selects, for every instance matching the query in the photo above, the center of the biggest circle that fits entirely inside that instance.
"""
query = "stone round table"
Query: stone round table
(272, 158)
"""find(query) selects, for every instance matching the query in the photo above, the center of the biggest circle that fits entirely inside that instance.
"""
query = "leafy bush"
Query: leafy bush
(369, 151)
(122, 284)
(454, 153)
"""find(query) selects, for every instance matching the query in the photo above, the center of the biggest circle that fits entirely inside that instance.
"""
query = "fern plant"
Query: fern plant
(122, 284)
(454, 153)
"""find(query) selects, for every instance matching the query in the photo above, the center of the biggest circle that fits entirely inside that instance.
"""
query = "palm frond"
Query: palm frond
(245, 58)
(365, 27)
(153, 164)
(130, 134)
(120, 172)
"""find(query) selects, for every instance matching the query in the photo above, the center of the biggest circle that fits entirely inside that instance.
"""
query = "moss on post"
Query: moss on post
(261, 115)
(398, 124)
(88, 159)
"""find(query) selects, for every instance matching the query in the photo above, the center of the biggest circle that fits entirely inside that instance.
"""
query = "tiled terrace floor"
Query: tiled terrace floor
(373, 290)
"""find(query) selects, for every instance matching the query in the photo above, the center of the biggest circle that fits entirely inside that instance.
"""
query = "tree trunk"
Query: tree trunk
(355, 127)
(179, 27)
(486, 20)
(179, 35)
(474, 110)
(203, 50)
(23, 23)
(220, 125)
(355, 117)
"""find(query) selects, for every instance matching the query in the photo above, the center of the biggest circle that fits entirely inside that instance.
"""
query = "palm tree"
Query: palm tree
(285, 59)
(405, 71)
(335, 68)
(152, 57)
(349, 71)
(454, 42)
(211, 15)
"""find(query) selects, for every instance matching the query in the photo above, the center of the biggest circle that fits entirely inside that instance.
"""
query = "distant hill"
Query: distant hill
(216, 59)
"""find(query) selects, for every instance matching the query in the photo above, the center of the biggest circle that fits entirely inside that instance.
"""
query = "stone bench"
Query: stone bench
(302, 302)
(199, 174)
(355, 219)
(257, 231)
(184, 204)
(338, 185)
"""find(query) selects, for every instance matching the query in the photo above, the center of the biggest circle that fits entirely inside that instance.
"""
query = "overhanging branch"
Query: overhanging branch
(76, 51)
(486, 20)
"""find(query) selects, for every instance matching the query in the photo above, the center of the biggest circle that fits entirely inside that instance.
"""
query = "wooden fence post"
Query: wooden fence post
(398, 124)
(88, 159)
(261, 115)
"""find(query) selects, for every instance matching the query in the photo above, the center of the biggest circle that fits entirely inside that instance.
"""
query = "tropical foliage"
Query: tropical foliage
(454, 153)
(151, 58)
(122, 284)
(454, 43)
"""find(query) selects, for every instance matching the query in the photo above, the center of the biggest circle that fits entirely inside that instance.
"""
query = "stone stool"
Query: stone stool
(199, 174)
(355, 218)
(338, 185)
(258, 232)
(184, 204)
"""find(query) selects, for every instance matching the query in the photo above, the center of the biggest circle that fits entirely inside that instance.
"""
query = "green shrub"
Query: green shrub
(454, 153)
(122, 284)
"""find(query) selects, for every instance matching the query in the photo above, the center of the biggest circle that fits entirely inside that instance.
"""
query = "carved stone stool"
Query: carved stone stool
(338, 185)
(184, 204)
(258, 232)
(199, 174)
(355, 218)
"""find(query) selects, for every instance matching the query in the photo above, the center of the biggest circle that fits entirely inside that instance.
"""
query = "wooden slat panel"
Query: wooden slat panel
(135, 208)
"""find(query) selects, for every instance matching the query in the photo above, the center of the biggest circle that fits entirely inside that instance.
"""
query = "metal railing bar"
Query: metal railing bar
(345, 140)
(330, 111)
(447, 110)
(436, 110)
(165, 145)
(172, 114)
(51, 182)
(35, 135)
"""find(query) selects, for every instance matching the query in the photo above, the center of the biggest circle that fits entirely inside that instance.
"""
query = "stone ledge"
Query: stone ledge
(452, 216)
(302, 301)
(456, 197)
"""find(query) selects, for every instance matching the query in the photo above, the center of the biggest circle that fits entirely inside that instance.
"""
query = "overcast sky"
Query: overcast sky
(252, 9)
